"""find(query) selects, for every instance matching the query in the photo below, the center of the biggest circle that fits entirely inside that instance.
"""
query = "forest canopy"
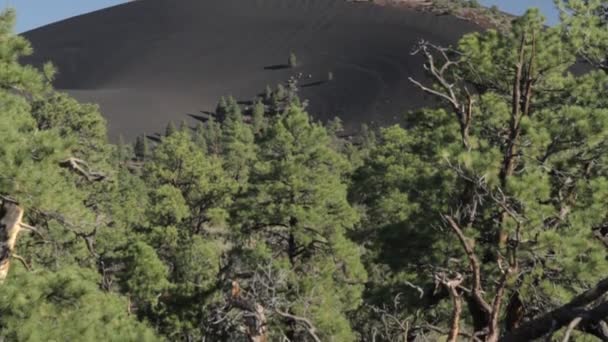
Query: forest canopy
(483, 218)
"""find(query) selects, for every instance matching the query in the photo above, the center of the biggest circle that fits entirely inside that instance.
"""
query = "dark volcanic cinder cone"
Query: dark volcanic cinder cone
(151, 61)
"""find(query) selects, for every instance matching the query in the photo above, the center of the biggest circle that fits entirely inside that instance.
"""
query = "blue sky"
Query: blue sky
(35, 13)
(519, 6)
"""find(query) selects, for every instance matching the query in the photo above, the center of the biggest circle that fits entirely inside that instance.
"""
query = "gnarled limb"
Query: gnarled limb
(564, 315)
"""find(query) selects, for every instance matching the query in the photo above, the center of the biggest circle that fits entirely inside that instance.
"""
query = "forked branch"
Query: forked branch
(463, 108)
(477, 290)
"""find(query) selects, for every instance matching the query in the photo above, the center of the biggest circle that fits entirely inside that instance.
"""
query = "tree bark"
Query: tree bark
(10, 226)
(563, 315)
(457, 311)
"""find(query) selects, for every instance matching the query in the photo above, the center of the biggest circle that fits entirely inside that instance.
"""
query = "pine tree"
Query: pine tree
(505, 172)
(268, 94)
(292, 92)
(584, 25)
(200, 138)
(181, 175)
(232, 107)
(221, 109)
(277, 102)
(123, 151)
(184, 127)
(141, 148)
(280, 93)
(237, 143)
(296, 217)
(66, 305)
(213, 136)
(485, 217)
(190, 194)
(335, 126)
(292, 60)
(170, 129)
(368, 137)
(56, 164)
(258, 118)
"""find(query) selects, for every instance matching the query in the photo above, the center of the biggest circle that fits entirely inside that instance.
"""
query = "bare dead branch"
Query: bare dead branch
(255, 316)
(494, 325)
(463, 108)
(32, 229)
(570, 328)
(396, 327)
(452, 286)
(82, 167)
(310, 328)
(475, 266)
(415, 287)
(435, 92)
(23, 261)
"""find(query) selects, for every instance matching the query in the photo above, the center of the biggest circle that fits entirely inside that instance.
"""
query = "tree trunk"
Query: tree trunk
(10, 225)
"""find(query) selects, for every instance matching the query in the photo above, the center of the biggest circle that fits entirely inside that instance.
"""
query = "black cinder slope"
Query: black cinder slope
(151, 61)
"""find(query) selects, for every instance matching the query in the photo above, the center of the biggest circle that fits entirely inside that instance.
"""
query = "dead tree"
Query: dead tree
(11, 215)
(255, 314)
(260, 299)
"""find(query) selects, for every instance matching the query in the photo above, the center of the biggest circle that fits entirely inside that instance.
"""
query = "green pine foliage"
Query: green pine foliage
(66, 306)
(258, 119)
(533, 216)
(269, 223)
(296, 194)
(237, 142)
(213, 136)
(141, 147)
(60, 298)
(584, 26)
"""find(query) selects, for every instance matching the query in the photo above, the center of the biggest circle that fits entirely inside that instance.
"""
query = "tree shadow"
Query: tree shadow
(313, 84)
(276, 67)
(203, 117)
(156, 137)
